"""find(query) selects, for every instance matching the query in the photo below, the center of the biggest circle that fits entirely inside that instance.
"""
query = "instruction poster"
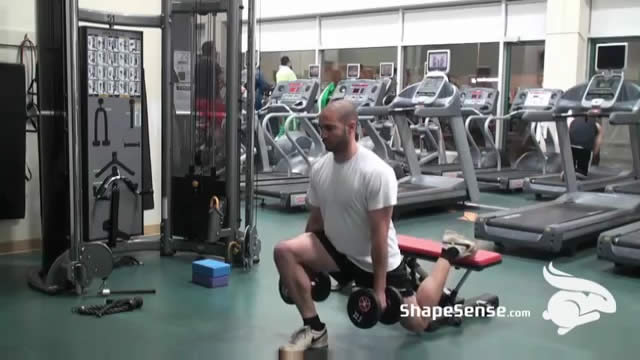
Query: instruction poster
(182, 90)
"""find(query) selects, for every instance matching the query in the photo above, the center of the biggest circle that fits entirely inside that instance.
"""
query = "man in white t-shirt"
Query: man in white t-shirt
(350, 234)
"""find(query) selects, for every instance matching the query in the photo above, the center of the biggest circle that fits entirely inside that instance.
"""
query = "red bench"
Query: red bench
(430, 250)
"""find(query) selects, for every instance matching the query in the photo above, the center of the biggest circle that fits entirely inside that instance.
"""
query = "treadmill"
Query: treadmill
(630, 186)
(433, 97)
(622, 245)
(531, 163)
(577, 216)
(598, 178)
(290, 99)
(478, 104)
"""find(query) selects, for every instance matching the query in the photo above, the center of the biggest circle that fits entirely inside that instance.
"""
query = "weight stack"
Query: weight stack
(210, 273)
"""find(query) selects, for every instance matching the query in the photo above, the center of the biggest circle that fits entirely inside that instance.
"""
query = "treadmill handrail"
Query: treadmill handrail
(425, 128)
(472, 141)
(626, 118)
(373, 110)
(492, 143)
(486, 134)
(540, 116)
(545, 157)
(304, 117)
(471, 110)
(272, 141)
(510, 116)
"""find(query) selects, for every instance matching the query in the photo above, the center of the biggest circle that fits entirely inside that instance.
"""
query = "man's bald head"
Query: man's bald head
(338, 123)
(343, 110)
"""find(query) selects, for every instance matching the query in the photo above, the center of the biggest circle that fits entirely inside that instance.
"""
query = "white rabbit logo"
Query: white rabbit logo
(577, 303)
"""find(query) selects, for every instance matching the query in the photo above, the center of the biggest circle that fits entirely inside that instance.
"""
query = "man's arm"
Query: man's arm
(315, 222)
(379, 222)
(599, 140)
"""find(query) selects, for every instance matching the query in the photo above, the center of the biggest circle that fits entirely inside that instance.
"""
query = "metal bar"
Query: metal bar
(464, 153)
(251, 113)
(500, 126)
(198, 6)
(233, 113)
(192, 138)
(167, 117)
(402, 123)
(462, 281)
(634, 136)
(567, 157)
(214, 82)
(76, 235)
(114, 19)
(436, 4)
(52, 113)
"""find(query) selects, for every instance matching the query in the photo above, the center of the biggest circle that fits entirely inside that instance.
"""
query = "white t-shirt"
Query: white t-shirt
(345, 192)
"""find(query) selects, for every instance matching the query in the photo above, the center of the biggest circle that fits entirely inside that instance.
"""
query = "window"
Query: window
(300, 60)
(334, 62)
(468, 62)
(526, 69)
(615, 151)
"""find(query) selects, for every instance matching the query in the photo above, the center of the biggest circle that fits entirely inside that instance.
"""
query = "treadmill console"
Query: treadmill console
(361, 92)
(535, 99)
(484, 100)
(429, 89)
(603, 91)
(298, 95)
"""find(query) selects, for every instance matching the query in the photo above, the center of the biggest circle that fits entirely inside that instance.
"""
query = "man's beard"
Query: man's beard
(340, 145)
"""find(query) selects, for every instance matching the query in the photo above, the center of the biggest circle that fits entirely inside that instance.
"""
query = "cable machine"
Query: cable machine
(94, 141)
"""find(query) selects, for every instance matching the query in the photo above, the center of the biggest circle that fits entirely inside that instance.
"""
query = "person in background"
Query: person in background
(262, 87)
(285, 72)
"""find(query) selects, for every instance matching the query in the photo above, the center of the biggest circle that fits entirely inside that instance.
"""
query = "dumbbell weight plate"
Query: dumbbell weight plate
(391, 314)
(321, 288)
(363, 308)
(284, 293)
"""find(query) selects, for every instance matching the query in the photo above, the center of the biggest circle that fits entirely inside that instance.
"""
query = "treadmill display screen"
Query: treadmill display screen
(538, 98)
(386, 70)
(430, 86)
(353, 71)
(314, 71)
(358, 90)
(295, 88)
(603, 87)
(477, 97)
(611, 56)
(438, 61)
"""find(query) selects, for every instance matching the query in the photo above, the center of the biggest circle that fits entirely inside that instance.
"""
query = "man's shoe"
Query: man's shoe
(306, 338)
(466, 247)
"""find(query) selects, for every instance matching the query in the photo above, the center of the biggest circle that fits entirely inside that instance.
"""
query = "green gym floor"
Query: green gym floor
(248, 320)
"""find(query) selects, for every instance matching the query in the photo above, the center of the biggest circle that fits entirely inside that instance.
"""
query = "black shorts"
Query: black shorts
(582, 159)
(397, 278)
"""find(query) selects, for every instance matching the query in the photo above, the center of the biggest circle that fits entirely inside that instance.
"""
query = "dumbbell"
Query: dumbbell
(320, 288)
(364, 310)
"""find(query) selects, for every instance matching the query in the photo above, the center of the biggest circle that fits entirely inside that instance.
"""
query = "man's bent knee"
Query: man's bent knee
(293, 248)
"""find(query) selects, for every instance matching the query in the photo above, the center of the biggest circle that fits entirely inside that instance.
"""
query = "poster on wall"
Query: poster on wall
(182, 90)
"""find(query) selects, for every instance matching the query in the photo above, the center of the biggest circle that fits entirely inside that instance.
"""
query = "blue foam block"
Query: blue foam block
(210, 282)
(211, 268)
